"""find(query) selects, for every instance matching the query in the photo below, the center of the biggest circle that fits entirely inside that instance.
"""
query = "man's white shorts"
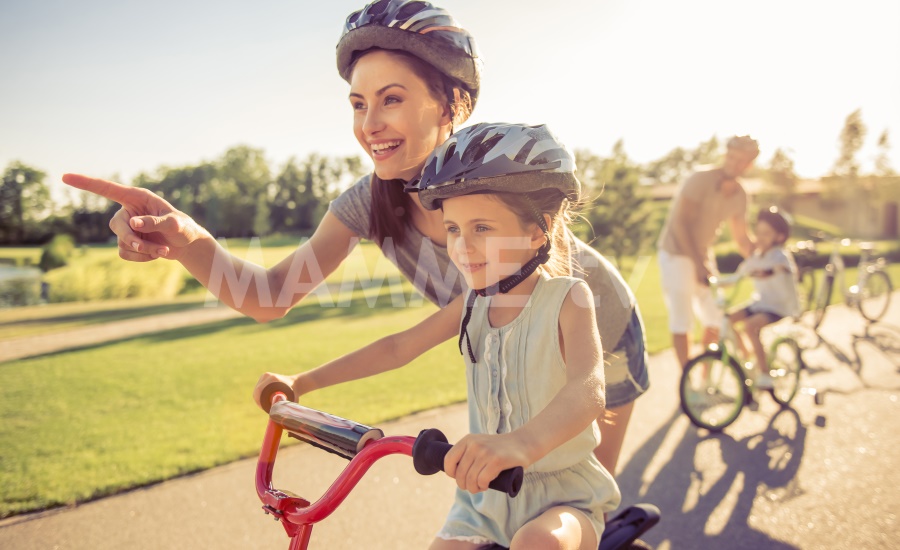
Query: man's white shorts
(685, 296)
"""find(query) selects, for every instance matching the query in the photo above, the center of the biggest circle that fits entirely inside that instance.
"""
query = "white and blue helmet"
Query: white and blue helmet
(497, 157)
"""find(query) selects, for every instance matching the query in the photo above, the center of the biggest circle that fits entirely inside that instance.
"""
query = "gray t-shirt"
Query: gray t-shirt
(427, 265)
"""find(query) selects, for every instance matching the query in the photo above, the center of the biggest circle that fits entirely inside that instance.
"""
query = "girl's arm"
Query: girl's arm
(386, 354)
(477, 459)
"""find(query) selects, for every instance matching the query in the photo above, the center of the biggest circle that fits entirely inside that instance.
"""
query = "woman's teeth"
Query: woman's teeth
(380, 148)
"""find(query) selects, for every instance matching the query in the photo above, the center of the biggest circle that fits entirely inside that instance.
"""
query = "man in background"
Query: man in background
(701, 204)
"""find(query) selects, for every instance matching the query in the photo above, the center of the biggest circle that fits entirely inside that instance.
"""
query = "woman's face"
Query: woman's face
(486, 240)
(396, 118)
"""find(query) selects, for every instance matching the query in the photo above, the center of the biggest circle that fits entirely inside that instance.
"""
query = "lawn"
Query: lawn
(83, 424)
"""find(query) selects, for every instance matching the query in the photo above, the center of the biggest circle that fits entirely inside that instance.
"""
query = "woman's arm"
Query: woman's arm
(477, 459)
(148, 227)
(386, 354)
(267, 294)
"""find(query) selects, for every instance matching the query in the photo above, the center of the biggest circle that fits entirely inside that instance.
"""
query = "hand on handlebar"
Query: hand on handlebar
(269, 378)
(147, 226)
(477, 459)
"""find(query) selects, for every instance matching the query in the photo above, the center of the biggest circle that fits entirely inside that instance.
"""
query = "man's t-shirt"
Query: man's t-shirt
(713, 208)
(428, 266)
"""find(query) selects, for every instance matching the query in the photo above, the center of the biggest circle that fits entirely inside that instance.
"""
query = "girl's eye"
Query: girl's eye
(452, 229)
(391, 99)
(358, 106)
(482, 228)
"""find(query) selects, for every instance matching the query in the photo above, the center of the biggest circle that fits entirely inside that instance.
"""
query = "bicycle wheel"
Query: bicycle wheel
(712, 391)
(875, 297)
(823, 298)
(785, 363)
(806, 288)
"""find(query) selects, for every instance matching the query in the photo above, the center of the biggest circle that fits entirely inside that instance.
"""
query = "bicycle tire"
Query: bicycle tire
(806, 288)
(874, 299)
(712, 391)
(823, 299)
(785, 364)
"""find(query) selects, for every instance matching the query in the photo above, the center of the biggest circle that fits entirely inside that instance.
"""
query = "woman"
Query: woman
(414, 74)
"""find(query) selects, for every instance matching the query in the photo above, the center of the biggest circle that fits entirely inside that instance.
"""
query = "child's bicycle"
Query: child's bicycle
(717, 384)
(363, 445)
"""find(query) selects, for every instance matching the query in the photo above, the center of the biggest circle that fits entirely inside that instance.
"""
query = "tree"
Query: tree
(781, 174)
(678, 163)
(882, 162)
(24, 202)
(851, 141)
(619, 217)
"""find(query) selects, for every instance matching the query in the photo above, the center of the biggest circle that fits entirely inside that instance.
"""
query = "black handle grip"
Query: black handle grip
(265, 398)
(428, 458)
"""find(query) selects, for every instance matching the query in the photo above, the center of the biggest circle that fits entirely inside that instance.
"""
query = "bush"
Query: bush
(57, 252)
(109, 278)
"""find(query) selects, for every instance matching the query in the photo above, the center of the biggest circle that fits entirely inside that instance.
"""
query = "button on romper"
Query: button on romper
(520, 369)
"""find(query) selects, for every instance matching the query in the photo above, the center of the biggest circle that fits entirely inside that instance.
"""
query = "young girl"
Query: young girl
(528, 334)
(773, 271)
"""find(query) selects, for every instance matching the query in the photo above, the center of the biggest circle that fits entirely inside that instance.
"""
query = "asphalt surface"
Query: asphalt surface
(811, 476)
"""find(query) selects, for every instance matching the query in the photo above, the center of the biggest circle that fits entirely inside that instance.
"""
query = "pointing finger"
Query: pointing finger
(108, 189)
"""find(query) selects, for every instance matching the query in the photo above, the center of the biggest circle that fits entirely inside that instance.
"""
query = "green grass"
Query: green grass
(88, 423)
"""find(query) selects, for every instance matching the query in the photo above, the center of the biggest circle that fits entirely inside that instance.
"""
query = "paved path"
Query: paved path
(39, 344)
(808, 477)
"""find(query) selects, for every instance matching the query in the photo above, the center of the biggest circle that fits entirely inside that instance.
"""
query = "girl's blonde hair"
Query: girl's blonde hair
(561, 212)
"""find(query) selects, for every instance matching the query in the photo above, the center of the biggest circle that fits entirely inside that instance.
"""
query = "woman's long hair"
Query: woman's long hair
(391, 205)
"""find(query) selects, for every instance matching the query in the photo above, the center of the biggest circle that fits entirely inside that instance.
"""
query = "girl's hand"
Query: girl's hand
(147, 226)
(270, 377)
(477, 459)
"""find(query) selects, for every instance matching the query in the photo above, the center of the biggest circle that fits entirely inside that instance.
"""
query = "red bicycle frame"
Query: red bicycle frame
(297, 515)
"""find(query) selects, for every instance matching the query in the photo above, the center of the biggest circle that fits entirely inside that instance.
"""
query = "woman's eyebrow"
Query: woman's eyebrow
(380, 91)
(470, 222)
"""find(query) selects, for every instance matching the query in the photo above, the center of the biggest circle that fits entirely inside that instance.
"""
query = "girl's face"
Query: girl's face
(396, 118)
(486, 240)
(766, 236)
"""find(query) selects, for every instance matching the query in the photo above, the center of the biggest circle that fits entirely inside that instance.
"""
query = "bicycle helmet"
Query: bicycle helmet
(418, 28)
(779, 220)
(744, 143)
(496, 157)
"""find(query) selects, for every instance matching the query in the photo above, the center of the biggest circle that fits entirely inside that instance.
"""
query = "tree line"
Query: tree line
(240, 195)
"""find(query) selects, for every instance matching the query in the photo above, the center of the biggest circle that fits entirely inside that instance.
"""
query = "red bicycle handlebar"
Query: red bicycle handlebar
(359, 443)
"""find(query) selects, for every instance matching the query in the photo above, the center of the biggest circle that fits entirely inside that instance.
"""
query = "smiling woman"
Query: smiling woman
(414, 73)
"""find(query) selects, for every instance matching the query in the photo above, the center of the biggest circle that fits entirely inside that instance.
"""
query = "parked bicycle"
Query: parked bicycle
(363, 445)
(717, 384)
(804, 253)
(872, 292)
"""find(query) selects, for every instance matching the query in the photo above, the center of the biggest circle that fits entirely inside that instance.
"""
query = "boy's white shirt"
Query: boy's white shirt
(776, 293)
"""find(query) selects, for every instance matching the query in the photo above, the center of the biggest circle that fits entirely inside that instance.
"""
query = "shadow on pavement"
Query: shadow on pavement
(711, 507)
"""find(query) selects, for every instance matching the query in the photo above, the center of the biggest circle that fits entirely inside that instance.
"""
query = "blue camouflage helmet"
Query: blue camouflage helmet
(497, 157)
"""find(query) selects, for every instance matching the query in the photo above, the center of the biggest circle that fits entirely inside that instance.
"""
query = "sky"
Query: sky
(112, 88)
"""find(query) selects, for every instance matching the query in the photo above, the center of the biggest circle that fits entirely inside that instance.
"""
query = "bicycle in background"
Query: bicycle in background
(717, 384)
(363, 445)
(872, 292)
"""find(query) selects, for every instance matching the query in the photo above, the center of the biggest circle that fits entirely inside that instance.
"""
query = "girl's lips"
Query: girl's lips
(471, 268)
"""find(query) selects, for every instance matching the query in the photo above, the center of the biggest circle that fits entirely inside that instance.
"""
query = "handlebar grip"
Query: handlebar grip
(431, 447)
(265, 398)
